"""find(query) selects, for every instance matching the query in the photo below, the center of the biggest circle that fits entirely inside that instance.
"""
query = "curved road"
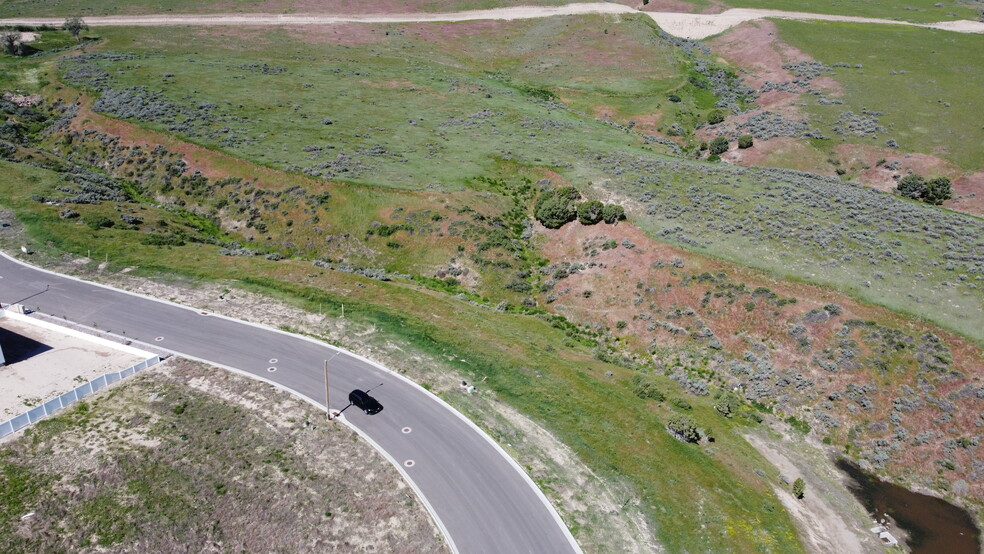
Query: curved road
(684, 25)
(480, 498)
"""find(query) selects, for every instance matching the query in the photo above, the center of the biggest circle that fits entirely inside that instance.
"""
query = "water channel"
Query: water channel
(933, 524)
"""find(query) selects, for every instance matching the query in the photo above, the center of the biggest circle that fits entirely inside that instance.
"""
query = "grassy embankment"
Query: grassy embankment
(527, 362)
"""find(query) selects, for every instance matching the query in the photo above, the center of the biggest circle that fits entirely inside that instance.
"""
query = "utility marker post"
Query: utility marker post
(327, 407)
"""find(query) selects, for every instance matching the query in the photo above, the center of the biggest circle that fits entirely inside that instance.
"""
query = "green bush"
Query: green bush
(746, 141)
(96, 222)
(938, 191)
(719, 146)
(645, 387)
(590, 212)
(935, 191)
(715, 117)
(911, 186)
(799, 487)
(556, 207)
(613, 213)
(674, 98)
(727, 404)
(684, 427)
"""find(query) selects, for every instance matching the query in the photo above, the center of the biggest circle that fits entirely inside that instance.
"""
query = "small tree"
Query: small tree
(590, 212)
(715, 116)
(613, 213)
(911, 186)
(745, 141)
(684, 427)
(718, 146)
(937, 191)
(75, 25)
(799, 487)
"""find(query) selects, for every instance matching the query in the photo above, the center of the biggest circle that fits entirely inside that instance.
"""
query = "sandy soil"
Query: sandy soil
(686, 25)
(828, 516)
(46, 363)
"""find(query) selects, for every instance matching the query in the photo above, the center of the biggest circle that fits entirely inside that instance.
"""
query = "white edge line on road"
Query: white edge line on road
(470, 423)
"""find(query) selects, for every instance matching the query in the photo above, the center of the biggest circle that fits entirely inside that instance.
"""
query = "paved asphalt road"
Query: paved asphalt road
(480, 497)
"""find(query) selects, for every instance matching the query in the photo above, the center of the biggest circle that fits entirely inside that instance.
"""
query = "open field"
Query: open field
(926, 100)
(916, 11)
(184, 456)
(23, 8)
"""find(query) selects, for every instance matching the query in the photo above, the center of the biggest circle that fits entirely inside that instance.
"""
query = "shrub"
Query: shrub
(555, 208)
(613, 213)
(718, 146)
(715, 117)
(590, 212)
(645, 387)
(799, 487)
(938, 191)
(935, 191)
(674, 98)
(681, 403)
(745, 141)
(727, 404)
(684, 427)
(96, 222)
(911, 186)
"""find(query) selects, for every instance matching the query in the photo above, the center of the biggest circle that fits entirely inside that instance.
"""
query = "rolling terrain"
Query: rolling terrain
(401, 170)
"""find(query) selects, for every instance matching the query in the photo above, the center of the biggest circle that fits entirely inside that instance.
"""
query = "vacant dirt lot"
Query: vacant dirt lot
(189, 458)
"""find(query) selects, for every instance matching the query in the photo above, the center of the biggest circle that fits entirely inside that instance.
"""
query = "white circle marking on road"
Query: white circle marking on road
(409, 463)
(406, 430)
(158, 339)
(271, 369)
(273, 360)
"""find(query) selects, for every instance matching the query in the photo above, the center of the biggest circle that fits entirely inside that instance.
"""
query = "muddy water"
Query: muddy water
(934, 525)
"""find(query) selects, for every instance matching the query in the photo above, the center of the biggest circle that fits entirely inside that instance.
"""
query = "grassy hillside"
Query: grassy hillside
(920, 85)
(527, 361)
(357, 113)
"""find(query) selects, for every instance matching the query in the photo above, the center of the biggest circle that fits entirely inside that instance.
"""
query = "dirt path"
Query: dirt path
(685, 25)
(829, 518)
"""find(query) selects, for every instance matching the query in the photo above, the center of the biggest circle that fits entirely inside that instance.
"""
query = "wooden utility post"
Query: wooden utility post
(327, 407)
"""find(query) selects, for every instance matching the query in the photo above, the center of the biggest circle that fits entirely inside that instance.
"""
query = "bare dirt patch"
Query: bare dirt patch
(42, 364)
(828, 516)
(187, 456)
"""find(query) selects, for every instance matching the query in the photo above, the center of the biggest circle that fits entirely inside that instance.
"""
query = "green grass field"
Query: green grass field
(61, 8)
(925, 82)
(916, 11)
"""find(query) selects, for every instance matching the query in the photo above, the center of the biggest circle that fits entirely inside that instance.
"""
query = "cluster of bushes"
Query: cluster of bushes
(934, 191)
(554, 208)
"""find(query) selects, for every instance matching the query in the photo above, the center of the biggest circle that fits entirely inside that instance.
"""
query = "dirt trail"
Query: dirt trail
(685, 25)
